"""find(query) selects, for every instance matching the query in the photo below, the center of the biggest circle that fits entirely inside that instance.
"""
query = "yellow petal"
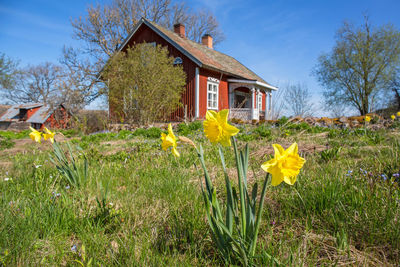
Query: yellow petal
(231, 130)
(212, 130)
(175, 152)
(285, 166)
(293, 149)
(170, 129)
(225, 141)
(290, 180)
(278, 149)
(49, 136)
(211, 115)
(36, 136)
(277, 176)
(223, 116)
(269, 164)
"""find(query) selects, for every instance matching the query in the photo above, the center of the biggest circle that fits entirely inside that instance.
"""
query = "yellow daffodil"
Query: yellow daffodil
(285, 166)
(169, 140)
(398, 113)
(35, 135)
(367, 118)
(49, 135)
(217, 129)
(393, 117)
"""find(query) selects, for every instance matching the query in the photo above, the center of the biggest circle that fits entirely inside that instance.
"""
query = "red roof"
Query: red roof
(202, 55)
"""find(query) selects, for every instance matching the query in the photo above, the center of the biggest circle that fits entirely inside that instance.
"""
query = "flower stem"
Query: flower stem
(259, 214)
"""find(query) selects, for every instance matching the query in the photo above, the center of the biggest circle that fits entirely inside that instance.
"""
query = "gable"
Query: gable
(201, 55)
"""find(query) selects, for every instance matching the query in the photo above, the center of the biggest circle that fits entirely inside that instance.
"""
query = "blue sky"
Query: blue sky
(279, 40)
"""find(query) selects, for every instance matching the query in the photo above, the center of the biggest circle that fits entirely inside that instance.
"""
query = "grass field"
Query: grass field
(140, 206)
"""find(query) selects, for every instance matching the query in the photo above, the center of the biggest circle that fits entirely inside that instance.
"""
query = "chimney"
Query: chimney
(207, 40)
(179, 29)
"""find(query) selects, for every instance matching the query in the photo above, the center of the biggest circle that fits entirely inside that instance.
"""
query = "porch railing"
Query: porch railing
(240, 113)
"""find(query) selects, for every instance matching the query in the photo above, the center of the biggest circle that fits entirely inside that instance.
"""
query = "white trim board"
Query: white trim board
(253, 82)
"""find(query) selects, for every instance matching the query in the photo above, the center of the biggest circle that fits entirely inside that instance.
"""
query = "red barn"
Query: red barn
(214, 81)
(37, 115)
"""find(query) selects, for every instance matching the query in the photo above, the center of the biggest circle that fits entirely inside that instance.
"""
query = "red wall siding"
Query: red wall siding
(145, 34)
(30, 112)
(223, 92)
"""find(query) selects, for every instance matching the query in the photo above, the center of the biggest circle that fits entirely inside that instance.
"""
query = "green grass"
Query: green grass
(142, 207)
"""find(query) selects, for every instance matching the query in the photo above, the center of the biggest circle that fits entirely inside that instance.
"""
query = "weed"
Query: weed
(330, 154)
(5, 143)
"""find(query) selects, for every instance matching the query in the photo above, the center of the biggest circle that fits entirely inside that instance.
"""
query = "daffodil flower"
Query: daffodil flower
(398, 113)
(49, 135)
(285, 166)
(367, 118)
(169, 140)
(35, 135)
(393, 117)
(217, 129)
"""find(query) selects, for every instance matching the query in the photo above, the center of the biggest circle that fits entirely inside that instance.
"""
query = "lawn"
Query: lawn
(141, 206)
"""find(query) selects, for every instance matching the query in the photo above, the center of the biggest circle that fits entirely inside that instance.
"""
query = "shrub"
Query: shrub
(15, 135)
(263, 131)
(6, 143)
(152, 132)
(283, 120)
(189, 128)
(124, 134)
(69, 133)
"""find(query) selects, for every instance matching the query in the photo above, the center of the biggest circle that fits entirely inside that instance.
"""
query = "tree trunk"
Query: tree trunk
(397, 97)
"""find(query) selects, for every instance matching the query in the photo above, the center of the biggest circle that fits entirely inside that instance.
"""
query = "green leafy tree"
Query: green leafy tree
(144, 85)
(360, 66)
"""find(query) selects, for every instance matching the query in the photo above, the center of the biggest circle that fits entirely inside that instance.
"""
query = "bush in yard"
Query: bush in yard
(144, 84)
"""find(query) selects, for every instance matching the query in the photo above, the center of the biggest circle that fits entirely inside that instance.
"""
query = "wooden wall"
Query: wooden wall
(223, 93)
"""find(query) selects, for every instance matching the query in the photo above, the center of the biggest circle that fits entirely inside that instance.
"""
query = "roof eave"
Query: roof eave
(254, 82)
(174, 44)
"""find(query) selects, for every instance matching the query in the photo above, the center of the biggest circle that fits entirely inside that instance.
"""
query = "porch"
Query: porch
(246, 100)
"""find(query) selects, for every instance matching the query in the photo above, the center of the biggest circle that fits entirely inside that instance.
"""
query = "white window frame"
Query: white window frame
(213, 84)
(259, 101)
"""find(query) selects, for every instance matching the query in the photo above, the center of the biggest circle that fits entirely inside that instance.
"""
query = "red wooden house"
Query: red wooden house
(36, 115)
(214, 81)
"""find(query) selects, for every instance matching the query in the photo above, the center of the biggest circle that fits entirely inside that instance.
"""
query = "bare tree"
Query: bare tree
(35, 84)
(394, 89)
(8, 72)
(298, 100)
(278, 103)
(337, 111)
(105, 27)
(78, 80)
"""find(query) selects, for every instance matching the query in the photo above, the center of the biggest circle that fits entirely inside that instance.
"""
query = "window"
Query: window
(178, 61)
(259, 101)
(212, 95)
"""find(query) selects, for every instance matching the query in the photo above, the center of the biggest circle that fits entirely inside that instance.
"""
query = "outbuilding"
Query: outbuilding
(36, 115)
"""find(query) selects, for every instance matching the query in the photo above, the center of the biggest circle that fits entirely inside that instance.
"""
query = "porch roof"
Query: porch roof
(252, 82)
